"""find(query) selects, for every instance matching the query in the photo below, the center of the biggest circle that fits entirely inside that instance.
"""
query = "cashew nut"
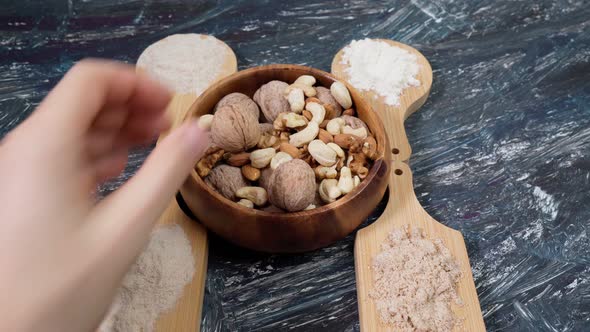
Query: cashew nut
(329, 190)
(322, 153)
(310, 207)
(345, 183)
(247, 203)
(305, 83)
(324, 172)
(360, 131)
(318, 111)
(305, 80)
(205, 121)
(279, 158)
(293, 120)
(337, 149)
(256, 195)
(261, 158)
(305, 136)
(356, 180)
(335, 126)
(296, 99)
(341, 94)
(349, 160)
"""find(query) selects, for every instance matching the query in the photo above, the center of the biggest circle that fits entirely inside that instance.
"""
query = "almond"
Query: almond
(239, 159)
(325, 136)
(307, 114)
(290, 149)
(330, 112)
(313, 100)
(349, 111)
(250, 173)
(325, 122)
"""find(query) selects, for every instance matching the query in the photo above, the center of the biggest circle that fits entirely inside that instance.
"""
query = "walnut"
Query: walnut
(226, 180)
(292, 186)
(233, 129)
(325, 96)
(271, 99)
(266, 128)
(243, 102)
(265, 176)
(354, 122)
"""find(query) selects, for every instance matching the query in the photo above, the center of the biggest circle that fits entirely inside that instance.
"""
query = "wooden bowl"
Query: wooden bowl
(286, 232)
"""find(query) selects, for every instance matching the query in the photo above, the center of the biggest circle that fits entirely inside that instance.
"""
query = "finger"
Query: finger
(101, 143)
(130, 213)
(111, 119)
(93, 85)
(149, 96)
(139, 133)
(111, 165)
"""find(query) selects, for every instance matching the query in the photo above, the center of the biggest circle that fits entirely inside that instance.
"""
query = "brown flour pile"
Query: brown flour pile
(154, 283)
(415, 283)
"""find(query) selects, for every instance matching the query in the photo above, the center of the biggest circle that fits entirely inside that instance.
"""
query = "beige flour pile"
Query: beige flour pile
(415, 283)
(185, 63)
(154, 283)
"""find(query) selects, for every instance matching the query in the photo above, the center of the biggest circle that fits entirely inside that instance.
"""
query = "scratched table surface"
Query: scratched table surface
(501, 148)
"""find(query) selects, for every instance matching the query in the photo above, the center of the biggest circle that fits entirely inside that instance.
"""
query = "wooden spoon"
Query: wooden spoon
(186, 315)
(403, 207)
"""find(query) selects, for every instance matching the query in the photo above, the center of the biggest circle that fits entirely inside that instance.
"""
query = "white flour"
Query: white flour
(185, 63)
(377, 66)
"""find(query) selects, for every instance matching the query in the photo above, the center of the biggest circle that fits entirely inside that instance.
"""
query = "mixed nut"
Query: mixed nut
(292, 147)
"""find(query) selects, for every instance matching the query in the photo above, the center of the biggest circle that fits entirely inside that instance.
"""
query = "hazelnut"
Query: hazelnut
(271, 99)
(226, 180)
(292, 186)
(325, 96)
(234, 130)
(240, 100)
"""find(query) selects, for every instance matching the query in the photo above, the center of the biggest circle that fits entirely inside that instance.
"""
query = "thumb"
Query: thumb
(130, 213)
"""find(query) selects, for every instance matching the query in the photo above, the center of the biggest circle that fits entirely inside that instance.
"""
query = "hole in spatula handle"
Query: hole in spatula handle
(395, 151)
(398, 172)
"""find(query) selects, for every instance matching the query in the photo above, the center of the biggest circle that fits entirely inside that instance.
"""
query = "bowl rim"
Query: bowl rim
(297, 216)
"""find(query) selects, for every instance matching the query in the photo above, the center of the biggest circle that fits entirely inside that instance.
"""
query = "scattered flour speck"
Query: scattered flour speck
(546, 202)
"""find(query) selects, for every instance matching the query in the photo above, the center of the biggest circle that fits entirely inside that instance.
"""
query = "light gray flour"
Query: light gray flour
(154, 283)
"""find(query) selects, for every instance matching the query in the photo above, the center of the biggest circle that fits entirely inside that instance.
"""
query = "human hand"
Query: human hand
(62, 255)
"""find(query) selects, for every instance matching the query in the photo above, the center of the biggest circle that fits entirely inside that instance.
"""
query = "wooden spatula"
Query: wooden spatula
(403, 207)
(186, 315)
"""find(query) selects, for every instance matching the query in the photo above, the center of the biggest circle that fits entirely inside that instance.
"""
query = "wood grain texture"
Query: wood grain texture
(186, 315)
(394, 116)
(403, 207)
(286, 232)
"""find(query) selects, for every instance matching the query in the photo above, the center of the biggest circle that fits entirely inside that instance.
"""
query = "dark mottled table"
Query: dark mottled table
(501, 148)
